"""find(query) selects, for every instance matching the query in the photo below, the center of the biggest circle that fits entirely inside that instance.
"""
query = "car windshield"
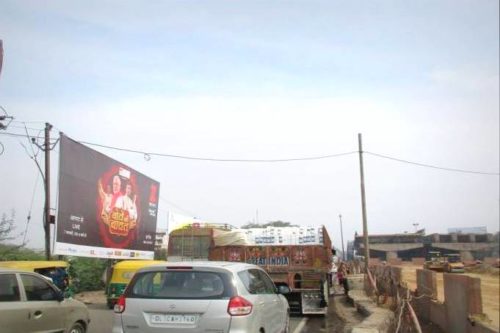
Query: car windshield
(179, 285)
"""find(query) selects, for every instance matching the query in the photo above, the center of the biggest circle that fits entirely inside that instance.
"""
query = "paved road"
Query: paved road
(102, 320)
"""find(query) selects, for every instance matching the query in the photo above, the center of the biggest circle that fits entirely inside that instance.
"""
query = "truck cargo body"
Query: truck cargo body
(304, 269)
(188, 244)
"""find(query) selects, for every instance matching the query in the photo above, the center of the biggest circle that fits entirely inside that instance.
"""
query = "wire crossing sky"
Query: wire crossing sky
(262, 85)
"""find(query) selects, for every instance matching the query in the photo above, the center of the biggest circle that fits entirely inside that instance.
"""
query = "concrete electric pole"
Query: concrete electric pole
(363, 203)
(46, 222)
(342, 237)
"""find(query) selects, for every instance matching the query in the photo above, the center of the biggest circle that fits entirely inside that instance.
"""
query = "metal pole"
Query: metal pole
(363, 203)
(342, 237)
(46, 225)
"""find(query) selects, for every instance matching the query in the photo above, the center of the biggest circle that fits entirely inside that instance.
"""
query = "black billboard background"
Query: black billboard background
(80, 218)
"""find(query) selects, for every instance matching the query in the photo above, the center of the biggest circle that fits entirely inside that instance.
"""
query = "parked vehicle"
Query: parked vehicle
(55, 270)
(202, 296)
(454, 264)
(30, 303)
(435, 261)
(120, 275)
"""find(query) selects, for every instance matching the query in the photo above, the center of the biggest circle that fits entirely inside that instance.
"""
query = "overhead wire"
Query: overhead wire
(176, 206)
(25, 127)
(432, 166)
(19, 135)
(147, 155)
(28, 122)
(212, 159)
(28, 219)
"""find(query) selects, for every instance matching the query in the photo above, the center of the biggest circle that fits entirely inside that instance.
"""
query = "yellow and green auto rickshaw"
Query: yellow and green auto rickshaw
(55, 270)
(121, 274)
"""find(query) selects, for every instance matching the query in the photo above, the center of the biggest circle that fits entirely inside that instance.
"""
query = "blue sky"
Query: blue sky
(262, 79)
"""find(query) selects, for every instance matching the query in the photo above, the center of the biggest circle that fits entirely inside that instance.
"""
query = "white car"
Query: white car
(30, 303)
(196, 297)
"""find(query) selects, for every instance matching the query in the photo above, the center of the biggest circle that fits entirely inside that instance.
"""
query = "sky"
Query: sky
(256, 80)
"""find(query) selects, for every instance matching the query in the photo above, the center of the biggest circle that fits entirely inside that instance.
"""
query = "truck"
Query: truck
(303, 263)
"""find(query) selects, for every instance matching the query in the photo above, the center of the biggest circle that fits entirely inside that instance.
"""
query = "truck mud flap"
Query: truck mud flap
(295, 303)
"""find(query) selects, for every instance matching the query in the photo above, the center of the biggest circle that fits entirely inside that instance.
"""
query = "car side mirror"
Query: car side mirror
(282, 289)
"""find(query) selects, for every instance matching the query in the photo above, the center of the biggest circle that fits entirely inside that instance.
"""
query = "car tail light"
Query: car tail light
(238, 306)
(120, 305)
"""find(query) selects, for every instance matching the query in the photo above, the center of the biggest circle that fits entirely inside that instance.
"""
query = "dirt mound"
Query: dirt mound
(483, 269)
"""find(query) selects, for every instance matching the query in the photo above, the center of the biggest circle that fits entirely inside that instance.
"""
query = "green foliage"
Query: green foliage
(86, 273)
(7, 227)
(268, 224)
(14, 252)
(161, 254)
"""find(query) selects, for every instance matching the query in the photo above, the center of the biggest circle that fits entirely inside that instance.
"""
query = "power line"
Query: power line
(19, 135)
(29, 122)
(148, 155)
(28, 218)
(432, 166)
(24, 135)
(176, 206)
(24, 127)
(219, 159)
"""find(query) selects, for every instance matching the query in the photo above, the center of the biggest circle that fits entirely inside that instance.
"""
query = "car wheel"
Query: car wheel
(77, 328)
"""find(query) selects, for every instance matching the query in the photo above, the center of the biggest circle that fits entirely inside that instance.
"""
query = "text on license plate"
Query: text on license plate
(173, 319)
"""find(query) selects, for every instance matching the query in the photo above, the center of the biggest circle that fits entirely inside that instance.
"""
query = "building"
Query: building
(470, 246)
(161, 240)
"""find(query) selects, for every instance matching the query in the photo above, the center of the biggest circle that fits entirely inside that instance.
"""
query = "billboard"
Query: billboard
(106, 209)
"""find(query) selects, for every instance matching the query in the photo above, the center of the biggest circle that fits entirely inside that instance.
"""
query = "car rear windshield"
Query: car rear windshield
(180, 285)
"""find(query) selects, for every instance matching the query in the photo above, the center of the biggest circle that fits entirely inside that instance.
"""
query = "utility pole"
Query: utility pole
(46, 224)
(342, 237)
(363, 204)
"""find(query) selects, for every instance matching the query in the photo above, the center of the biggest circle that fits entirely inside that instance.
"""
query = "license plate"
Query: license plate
(183, 319)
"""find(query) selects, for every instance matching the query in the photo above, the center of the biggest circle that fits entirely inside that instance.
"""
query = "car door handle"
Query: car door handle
(37, 314)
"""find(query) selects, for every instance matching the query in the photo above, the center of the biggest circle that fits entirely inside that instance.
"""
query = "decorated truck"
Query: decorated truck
(298, 258)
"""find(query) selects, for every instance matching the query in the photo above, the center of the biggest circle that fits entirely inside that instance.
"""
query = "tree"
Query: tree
(86, 273)
(161, 254)
(7, 227)
(8, 251)
(277, 223)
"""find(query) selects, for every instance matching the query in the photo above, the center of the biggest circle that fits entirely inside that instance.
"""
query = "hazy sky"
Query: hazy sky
(265, 80)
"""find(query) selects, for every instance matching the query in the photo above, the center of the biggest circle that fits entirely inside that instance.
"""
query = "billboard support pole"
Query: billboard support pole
(46, 224)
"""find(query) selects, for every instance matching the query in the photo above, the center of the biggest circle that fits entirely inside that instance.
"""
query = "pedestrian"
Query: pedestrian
(342, 277)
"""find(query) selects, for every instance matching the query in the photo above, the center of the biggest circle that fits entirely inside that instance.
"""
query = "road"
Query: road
(102, 321)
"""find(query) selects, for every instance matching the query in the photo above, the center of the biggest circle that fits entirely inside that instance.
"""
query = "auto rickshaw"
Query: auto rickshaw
(53, 270)
(121, 274)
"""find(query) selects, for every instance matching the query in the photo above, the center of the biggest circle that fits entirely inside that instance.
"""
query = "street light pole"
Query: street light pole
(342, 237)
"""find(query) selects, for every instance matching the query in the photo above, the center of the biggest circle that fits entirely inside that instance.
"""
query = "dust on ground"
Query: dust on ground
(490, 287)
(92, 297)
